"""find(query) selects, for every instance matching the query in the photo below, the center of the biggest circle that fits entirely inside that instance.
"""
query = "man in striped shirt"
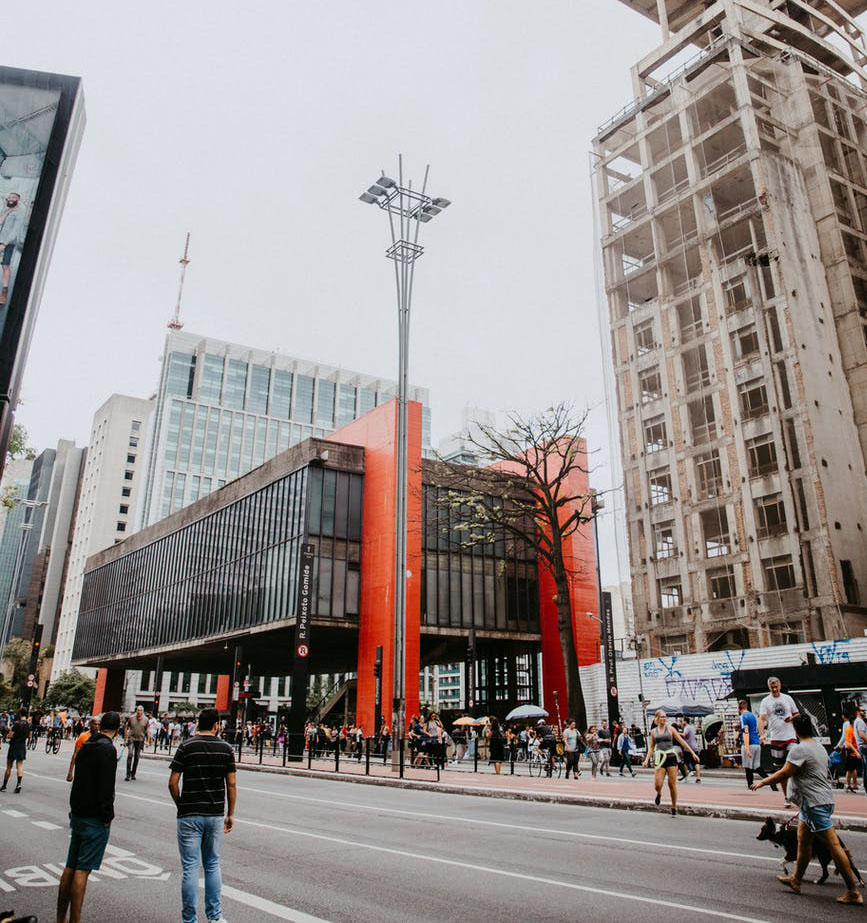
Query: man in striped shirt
(207, 765)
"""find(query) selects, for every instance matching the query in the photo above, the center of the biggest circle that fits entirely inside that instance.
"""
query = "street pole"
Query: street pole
(407, 210)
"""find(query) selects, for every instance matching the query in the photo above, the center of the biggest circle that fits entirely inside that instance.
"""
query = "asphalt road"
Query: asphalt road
(308, 850)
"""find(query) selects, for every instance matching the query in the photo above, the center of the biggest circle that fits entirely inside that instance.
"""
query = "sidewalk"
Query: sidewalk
(712, 798)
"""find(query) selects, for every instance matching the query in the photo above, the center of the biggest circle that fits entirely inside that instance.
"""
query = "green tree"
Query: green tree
(18, 447)
(16, 655)
(541, 505)
(72, 689)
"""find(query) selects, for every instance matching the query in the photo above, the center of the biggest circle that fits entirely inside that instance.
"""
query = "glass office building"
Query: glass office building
(222, 410)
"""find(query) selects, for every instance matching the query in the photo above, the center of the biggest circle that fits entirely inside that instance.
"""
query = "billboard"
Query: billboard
(41, 122)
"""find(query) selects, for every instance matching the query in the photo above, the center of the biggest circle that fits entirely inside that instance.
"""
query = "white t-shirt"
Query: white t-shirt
(776, 710)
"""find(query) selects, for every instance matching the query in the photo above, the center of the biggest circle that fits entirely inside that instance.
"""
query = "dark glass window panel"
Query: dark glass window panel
(260, 385)
(180, 374)
(235, 388)
(303, 399)
(325, 403)
(211, 379)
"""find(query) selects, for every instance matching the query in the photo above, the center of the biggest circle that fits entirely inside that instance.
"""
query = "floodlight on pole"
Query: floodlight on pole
(407, 210)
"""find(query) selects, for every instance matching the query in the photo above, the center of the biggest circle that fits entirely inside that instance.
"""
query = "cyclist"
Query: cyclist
(549, 744)
(19, 734)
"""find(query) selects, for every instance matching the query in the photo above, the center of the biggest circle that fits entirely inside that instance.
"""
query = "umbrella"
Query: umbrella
(465, 721)
(526, 711)
(482, 720)
(678, 706)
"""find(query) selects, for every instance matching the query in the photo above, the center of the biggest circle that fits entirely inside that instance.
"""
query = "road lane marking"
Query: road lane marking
(261, 903)
(521, 828)
(45, 825)
(15, 813)
(490, 870)
(521, 876)
(524, 830)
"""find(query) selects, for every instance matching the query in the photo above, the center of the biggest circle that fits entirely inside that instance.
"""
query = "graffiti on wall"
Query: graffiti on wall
(703, 689)
(832, 652)
(656, 669)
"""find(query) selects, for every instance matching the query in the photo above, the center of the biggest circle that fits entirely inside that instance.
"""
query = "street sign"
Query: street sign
(236, 691)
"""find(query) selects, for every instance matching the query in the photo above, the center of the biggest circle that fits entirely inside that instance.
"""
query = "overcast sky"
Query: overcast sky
(256, 126)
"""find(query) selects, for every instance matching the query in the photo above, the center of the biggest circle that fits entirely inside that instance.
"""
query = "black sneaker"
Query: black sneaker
(657, 799)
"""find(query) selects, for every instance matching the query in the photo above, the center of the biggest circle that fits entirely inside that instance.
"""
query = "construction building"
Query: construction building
(733, 214)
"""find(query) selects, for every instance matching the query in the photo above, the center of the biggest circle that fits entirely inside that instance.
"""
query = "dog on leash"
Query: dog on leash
(786, 838)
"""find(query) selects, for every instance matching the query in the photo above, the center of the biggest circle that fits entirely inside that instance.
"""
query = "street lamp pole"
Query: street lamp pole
(407, 210)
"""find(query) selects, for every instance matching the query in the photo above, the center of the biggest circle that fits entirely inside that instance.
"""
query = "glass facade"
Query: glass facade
(489, 585)
(233, 569)
(218, 416)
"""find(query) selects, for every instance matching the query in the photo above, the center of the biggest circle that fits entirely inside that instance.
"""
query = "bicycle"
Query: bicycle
(52, 741)
(32, 740)
(540, 762)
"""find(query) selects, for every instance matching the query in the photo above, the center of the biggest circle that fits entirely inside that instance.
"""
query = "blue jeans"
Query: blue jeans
(200, 838)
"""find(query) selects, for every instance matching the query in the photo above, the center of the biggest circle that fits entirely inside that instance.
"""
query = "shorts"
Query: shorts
(752, 756)
(779, 752)
(851, 762)
(87, 843)
(7, 254)
(17, 752)
(663, 760)
(817, 817)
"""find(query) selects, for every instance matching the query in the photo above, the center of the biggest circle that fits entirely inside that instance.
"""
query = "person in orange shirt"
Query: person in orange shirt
(80, 740)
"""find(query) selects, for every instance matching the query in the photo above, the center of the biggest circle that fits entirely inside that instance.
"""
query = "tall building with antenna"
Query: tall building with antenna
(732, 199)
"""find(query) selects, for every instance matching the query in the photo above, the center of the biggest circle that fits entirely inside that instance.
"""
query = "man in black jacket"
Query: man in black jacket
(91, 810)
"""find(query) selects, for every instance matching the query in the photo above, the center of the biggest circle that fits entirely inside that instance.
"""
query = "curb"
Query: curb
(724, 812)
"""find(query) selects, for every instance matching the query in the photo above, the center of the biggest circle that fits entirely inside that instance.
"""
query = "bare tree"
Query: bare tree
(542, 504)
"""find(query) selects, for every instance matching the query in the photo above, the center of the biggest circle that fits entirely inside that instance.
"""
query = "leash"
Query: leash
(793, 818)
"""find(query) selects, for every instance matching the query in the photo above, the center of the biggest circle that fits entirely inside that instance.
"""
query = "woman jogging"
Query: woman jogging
(665, 757)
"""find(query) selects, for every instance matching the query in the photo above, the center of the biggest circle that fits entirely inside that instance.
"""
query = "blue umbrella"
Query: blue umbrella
(526, 711)
(674, 707)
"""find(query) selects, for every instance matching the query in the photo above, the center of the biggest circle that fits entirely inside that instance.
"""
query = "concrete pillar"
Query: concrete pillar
(224, 692)
(109, 690)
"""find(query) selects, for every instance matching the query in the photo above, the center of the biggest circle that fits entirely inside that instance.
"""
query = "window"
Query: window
(145, 683)
(304, 398)
(850, 584)
(779, 573)
(135, 426)
(325, 403)
(180, 374)
(346, 405)
(645, 340)
(689, 319)
(366, 400)
(696, 372)
(650, 383)
(754, 399)
(260, 384)
(127, 475)
(125, 492)
(202, 686)
(770, 515)
(715, 529)
(702, 419)
(670, 593)
(783, 379)
(133, 442)
(173, 681)
(762, 455)
(787, 634)
(745, 342)
(211, 379)
(792, 443)
(130, 459)
(721, 581)
(123, 509)
(708, 475)
(281, 399)
(236, 384)
(121, 527)
(654, 434)
(659, 482)
(736, 296)
(664, 541)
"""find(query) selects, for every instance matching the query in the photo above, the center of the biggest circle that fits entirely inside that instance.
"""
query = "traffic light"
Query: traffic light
(470, 655)
(377, 669)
